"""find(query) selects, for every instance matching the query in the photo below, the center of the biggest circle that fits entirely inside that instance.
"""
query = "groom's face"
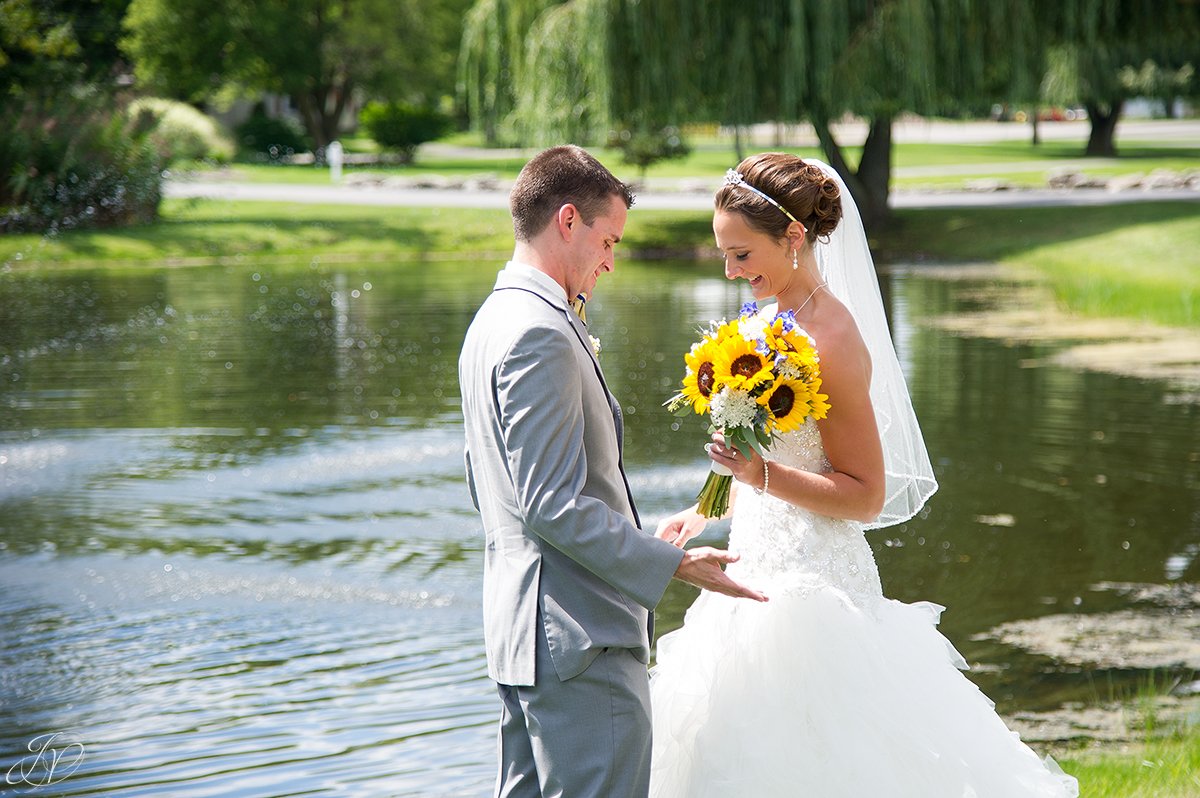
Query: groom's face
(590, 249)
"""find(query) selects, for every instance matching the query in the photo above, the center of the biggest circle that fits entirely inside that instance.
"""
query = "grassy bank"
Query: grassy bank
(1162, 768)
(197, 232)
(1139, 260)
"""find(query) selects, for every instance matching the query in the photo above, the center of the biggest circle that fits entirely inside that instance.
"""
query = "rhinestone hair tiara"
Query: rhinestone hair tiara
(734, 178)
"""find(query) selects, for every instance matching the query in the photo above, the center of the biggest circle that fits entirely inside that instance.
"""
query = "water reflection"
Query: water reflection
(237, 556)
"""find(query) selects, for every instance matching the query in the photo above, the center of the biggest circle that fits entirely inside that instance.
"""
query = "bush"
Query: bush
(181, 133)
(76, 163)
(643, 148)
(275, 138)
(401, 127)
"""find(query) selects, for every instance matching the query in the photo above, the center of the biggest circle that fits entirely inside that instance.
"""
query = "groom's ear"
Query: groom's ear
(567, 220)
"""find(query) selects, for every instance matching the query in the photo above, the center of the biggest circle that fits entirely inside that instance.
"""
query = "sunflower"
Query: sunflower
(791, 402)
(787, 403)
(700, 382)
(817, 401)
(741, 366)
(796, 356)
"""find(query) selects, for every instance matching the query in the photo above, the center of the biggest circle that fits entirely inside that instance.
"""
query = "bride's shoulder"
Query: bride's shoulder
(839, 342)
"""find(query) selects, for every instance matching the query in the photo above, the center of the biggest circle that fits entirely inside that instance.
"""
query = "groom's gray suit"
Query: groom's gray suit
(570, 580)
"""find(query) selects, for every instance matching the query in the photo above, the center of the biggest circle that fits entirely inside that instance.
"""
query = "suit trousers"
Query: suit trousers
(586, 737)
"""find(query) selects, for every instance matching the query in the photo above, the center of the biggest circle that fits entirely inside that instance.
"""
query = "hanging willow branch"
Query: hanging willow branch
(564, 94)
(491, 60)
(643, 64)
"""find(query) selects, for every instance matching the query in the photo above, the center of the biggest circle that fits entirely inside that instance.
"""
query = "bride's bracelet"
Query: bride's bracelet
(766, 478)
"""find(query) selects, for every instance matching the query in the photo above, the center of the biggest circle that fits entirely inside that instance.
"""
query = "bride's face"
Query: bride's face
(762, 260)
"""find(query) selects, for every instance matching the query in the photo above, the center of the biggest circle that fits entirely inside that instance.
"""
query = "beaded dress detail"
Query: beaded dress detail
(779, 541)
(829, 689)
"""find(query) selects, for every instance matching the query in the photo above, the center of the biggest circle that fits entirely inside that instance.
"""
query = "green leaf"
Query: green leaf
(742, 440)
(764, 437)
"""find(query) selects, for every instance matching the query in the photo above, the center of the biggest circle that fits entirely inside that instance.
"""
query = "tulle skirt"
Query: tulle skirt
(816, 694)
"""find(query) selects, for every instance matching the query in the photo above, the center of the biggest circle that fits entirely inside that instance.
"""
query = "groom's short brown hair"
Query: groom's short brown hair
(556, 176)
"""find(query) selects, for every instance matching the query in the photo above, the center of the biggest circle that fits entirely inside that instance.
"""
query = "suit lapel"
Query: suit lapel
(581, 335)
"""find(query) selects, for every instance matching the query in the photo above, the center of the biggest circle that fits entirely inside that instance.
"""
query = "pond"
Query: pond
(237, 556)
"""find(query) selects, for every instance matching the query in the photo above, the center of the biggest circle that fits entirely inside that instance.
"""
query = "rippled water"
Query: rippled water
(237, 556)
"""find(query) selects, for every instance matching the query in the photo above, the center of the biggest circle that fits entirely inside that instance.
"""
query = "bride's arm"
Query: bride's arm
(854, 489)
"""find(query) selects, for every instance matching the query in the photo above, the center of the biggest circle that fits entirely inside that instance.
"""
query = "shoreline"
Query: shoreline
(1027, 313)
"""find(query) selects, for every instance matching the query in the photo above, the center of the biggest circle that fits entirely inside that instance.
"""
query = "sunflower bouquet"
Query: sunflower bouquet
(754, 377)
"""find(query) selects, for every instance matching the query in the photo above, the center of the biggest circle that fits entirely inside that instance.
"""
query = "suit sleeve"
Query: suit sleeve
(539, 394)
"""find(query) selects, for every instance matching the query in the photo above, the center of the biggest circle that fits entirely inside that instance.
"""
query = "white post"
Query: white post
(333, 154)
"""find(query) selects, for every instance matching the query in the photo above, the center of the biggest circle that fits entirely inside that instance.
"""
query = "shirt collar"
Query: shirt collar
(516, 272)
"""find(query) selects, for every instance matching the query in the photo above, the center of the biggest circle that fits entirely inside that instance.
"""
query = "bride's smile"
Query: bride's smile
(765, 263)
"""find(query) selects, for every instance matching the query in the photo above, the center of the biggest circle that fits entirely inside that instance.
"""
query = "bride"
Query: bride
(830, 689)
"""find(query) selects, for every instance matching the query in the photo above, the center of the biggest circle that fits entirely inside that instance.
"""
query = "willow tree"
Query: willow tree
(649, 63)
(495, 34)
(566, 93)
(1101, 51)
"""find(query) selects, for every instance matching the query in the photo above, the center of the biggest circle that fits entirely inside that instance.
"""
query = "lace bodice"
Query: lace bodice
(779, 540)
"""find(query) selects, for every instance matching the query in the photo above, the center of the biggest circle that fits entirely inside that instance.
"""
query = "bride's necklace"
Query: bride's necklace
(810, 296)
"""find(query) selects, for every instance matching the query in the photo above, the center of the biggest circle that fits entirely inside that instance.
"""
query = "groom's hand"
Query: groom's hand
(702, 567)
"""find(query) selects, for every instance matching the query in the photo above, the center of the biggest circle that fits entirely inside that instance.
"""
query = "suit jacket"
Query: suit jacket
(543, 459)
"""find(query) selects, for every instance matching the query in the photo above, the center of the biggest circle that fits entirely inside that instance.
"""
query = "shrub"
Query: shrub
(269, 136)
(182, 133)
(76, 163)
(642, 148)
(401, 127)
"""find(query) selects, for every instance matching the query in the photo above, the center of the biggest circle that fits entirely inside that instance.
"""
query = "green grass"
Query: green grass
(504, 168)
(1139, 260)
(1002, 152)
(1162, 768)
(711, 158)
(1164, 763)
(207, 231)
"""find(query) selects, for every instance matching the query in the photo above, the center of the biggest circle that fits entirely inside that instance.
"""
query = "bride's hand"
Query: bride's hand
(682, 526)
(747, 471)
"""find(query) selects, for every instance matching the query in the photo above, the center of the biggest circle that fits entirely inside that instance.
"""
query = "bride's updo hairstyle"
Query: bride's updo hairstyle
(805, 191)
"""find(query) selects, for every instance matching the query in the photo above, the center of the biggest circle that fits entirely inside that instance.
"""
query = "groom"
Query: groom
(570, 579)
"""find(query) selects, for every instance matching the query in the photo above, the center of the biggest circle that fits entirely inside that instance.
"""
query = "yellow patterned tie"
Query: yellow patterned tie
(578, 304)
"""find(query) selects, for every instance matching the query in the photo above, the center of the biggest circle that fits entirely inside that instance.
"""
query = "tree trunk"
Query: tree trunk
(739, 150)
(343, 92)
(875, 173)
(311, 118)
(322, 122)
(1033, 123)
(871, 184)
(1101, 141)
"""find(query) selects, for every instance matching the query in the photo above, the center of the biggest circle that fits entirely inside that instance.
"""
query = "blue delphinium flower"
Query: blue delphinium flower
(749, 309)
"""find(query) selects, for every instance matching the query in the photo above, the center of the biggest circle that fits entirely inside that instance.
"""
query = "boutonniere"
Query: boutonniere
(595, 345)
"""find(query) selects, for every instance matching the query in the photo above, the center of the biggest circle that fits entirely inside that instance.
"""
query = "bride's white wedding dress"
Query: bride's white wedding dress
(829, 689)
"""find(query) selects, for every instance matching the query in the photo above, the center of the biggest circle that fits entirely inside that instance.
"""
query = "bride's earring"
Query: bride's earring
(795, 260)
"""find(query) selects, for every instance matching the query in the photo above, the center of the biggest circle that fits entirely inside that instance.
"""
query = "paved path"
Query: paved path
(651, 199)
(696, 193)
